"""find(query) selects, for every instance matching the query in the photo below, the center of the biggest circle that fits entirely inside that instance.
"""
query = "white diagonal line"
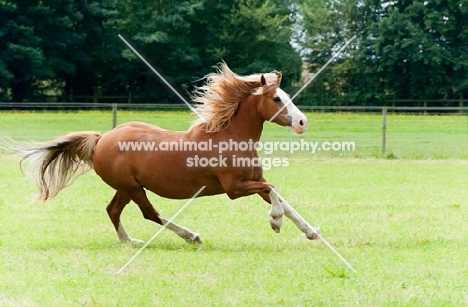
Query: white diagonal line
(318, 234)
(162, 78)
(314, 76)
(160, 230)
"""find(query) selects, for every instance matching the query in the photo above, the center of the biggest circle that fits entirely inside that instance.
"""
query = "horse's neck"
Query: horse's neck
(247, 123)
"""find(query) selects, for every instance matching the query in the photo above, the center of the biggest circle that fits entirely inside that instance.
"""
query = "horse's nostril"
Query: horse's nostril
(301, 122)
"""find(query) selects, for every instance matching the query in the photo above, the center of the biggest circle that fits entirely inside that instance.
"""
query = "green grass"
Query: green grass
(401, 223)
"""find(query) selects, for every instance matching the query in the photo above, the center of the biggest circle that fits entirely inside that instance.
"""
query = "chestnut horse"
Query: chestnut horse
(233, 108)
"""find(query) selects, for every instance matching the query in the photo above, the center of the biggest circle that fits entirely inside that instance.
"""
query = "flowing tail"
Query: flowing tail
(56, 164)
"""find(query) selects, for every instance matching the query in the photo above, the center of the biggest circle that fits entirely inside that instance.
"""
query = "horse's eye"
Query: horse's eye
(277, 99)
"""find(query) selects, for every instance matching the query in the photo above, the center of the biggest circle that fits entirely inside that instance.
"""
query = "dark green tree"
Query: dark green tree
(45, 47)
(404, 50)
(256, 36)
(21, 53)
(184, 40)
(71, 48)
(324, 26)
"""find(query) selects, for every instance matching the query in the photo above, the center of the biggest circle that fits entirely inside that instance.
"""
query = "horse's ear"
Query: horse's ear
(278, 78)
(262, 81)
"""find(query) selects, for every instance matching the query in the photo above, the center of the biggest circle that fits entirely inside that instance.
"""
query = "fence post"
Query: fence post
(114, 115)
(384, 129)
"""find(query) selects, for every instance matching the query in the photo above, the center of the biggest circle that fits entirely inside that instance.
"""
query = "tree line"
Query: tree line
(404, 50)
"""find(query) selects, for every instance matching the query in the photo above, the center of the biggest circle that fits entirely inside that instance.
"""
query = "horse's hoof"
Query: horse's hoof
(314, 235)
(195, 239)
(132, 241)
(276, 224)
(136, 241)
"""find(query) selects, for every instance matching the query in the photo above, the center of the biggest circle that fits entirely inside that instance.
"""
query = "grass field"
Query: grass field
(400, 222)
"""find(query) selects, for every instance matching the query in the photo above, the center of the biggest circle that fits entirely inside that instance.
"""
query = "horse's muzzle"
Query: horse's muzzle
(299, 124)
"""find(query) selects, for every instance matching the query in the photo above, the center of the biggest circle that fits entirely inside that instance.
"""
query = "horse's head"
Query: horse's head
(276, 106)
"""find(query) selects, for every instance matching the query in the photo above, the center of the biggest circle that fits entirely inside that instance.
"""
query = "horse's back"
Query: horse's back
(132, 142)
(132, 155)
(138, 125)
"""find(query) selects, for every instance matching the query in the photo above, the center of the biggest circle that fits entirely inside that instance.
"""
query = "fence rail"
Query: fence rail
(87, 106)
(440, 132)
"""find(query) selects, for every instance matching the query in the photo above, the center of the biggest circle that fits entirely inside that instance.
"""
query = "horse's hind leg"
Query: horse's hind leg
(184, 233)
(149, 213)
(114, 210)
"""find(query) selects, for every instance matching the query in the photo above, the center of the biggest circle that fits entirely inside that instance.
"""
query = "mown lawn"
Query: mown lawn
(401, 223)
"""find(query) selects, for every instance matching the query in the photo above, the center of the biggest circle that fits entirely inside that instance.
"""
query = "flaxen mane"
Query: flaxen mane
(222, 93)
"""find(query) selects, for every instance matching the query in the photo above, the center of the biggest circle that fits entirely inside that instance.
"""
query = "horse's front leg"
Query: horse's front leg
(242, 188)
(310, 232)
(277, 211)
